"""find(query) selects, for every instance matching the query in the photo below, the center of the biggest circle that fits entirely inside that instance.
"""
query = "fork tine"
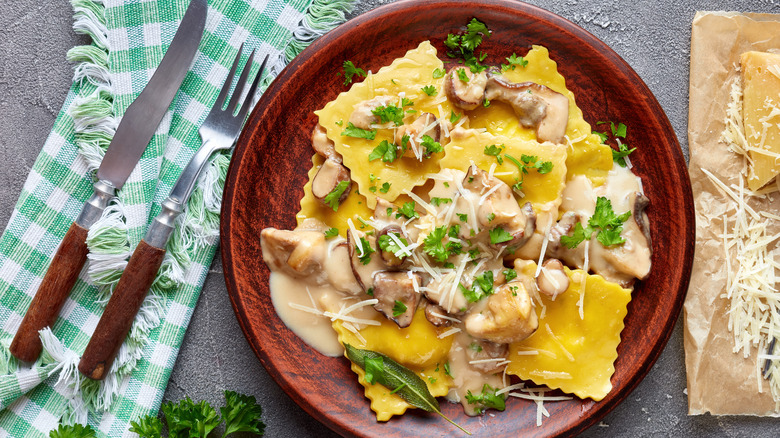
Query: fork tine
(240, 84)
(229, 80)
(250, 96)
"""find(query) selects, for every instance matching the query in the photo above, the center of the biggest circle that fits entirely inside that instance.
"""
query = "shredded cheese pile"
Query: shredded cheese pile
(754, 310)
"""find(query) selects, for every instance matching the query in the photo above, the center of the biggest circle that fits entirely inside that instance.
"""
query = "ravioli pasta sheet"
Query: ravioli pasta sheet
(720, 380)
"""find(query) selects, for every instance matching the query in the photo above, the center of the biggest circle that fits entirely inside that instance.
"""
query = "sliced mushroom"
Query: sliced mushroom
(423, 125)
(508, 317)
(364, 272)
(390, 259)
(323, 145)
(327, 180)
(552, 280)
(299, 253)
(640, 204)
(535, 105)
(485, 356)
(363, 117)
(397, 296)
(339, 276)
(562, 228)
(466, 95)
(435, 314)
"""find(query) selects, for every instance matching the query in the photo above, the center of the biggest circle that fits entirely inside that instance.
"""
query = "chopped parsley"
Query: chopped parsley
(604, 221)
(388, 244)
(491, 216)
(434, 245)
(618, 131)
(430, 90)
(475, 347)
(486, 103)
(499, 235)
(454, 117)
(353, 131)
(350, 70)
(447, 369)
(514, 61)
(332, 198)
(367, 251)
(430, 145)
(385, 187)
(464, 45)
(438, 201)
(487, 399)
(462, 75)
(619, 156)
(439, 73)
(399, 308)
(407, 210)
(386, 151)
(510, 274)
(462, 216)
(372, 177)
(333, 232)
(481, 287)
(474, 253)
(389, 113)
(495, 151)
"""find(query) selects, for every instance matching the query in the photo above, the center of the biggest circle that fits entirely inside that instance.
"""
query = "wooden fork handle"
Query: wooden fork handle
(52, 293)
(121, 310)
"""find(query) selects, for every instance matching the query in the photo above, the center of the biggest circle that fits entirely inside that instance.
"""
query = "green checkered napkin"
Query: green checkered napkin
(129, 38)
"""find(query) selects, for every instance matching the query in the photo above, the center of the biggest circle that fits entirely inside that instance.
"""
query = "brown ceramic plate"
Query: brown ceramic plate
(266, 178)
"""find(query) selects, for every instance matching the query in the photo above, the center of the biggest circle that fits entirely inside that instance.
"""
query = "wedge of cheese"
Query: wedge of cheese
(761, 114)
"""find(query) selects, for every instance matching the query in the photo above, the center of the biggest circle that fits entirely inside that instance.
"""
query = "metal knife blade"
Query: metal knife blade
(147, 110)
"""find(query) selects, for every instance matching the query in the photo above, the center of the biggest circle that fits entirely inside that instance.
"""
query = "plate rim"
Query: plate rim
(679, 165)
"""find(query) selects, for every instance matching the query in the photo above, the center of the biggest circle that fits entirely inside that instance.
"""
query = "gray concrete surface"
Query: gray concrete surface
(653, 36)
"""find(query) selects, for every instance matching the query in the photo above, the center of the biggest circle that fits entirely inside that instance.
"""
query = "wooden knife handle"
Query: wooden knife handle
(121, 310)
(52, 293)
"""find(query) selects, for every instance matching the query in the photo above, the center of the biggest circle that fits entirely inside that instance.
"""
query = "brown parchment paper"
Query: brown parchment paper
(719, 381)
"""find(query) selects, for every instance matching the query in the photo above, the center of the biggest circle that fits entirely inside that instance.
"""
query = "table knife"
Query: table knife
(130, 140)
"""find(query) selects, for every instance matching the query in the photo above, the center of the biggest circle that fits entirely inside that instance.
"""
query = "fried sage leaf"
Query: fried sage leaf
(399, 379)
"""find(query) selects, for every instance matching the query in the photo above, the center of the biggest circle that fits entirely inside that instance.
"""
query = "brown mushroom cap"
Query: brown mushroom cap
(328, 177)
(434, 313)
(323, 145)
(397, 297)
(640, 204)
(465, 95)
(535, 105)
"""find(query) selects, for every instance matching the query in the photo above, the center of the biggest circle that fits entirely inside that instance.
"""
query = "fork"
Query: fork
(218, 132)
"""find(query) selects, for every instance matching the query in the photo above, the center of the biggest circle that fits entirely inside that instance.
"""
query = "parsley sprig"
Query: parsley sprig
(487, 399)
(514, 61)
(332, 198)
(481, 287)
(619, 131)
(353, 131)
(463, 45)
(435, 246)
(350, 70)
(604, 221)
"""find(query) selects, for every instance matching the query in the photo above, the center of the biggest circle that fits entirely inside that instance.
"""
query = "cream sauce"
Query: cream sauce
(465, 377)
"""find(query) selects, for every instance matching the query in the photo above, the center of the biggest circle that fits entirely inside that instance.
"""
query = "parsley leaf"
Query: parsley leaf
(454, 117)
(438, 201)
(439, 73)
(367, 251)
(385, 187)
(430, 90)
(462, 216)
(499, 235)
(495, 151)
(242, 414)
(353, 131)
(430, 145)
(604, 221)
(389, 113)
(487, 399)
(332, 199)
(601, 135)
(399, 308)
(433, 244)
(463, 46)
(509, 275)
(514, 61)
(386, 151)
(462, 75)
(388, 244)
(333, 232)
(618, 130)
(350, 70)
(619, 156)
(407, 210)
(481, 287)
